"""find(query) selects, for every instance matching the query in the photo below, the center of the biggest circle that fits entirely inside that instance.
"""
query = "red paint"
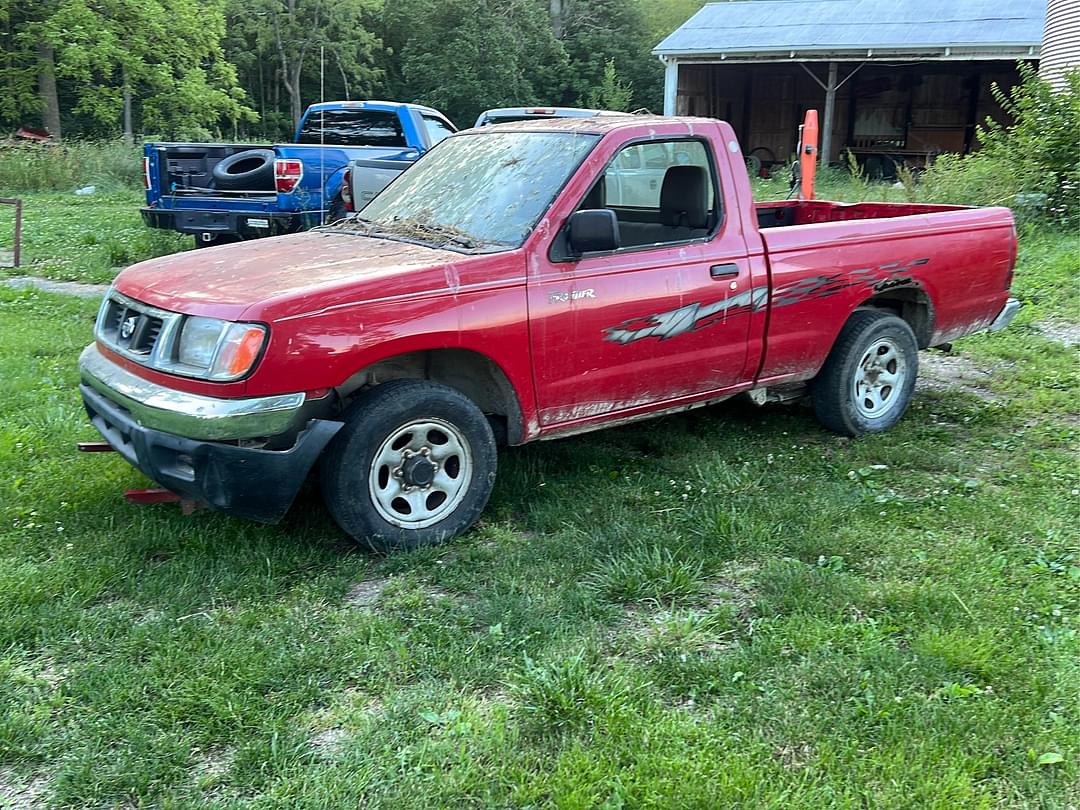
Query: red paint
(336, 303)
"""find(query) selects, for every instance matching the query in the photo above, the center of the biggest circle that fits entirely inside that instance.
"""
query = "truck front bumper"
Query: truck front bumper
(196, 457)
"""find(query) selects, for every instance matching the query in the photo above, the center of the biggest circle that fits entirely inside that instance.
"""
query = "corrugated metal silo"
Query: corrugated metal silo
(1061, 40)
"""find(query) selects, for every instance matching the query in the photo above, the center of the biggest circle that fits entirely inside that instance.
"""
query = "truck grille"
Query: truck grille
(128, 328)
(135, 330)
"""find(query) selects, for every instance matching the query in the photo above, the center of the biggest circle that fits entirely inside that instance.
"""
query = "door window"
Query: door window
(636, 176)
(661, 192)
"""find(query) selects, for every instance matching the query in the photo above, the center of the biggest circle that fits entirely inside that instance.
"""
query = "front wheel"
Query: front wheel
(413, 466)
(866, 383)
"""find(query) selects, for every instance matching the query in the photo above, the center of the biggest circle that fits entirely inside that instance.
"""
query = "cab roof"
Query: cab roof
(593, 125)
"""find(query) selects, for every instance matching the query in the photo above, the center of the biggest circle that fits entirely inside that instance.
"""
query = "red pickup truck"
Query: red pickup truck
(521, 282)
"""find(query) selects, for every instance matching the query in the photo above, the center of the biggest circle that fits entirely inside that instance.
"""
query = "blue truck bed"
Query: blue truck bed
(227, 192)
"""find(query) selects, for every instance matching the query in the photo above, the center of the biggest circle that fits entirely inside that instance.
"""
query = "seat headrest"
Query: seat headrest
(684, 198)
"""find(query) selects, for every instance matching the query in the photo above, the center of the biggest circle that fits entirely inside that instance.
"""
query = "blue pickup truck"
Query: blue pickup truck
(228, 192)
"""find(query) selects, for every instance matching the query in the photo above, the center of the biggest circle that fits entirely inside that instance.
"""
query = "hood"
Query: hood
(231, 280)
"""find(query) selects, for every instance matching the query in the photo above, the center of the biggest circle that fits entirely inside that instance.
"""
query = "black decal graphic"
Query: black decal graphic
(689, 318)
(876, 278)
(664, 325)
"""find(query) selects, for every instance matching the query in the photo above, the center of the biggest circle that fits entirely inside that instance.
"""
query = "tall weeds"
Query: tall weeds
(68, 166)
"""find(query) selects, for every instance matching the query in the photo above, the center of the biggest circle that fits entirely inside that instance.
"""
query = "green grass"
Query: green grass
(729, 607)
(741, 610)
(89, 239)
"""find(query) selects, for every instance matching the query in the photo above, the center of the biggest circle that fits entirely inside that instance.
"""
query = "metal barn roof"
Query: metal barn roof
(770, 30)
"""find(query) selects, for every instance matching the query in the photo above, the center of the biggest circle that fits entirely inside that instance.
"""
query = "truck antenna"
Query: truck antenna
(322, 132)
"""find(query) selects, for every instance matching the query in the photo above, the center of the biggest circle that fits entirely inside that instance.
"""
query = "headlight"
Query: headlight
(219, 350)
(198, 342)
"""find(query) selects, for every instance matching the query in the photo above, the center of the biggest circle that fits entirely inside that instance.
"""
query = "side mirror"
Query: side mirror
(593, 231)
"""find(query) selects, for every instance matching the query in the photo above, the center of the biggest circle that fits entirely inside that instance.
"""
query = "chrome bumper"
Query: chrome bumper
(1004, 318)
(190, 415)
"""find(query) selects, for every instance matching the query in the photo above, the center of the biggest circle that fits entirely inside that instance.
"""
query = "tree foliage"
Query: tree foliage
(300, 43)
(185, 67)
(600, 31)
(465, 56)
(611, 93)
(163, 55)
(1035, 155)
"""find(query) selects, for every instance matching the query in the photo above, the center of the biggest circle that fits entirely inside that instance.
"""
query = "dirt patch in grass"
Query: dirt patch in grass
(954, 372)
(734, 585)
(795, 755)
(16, 794)
(329, 742)
(366, 593)
(1066, 333)
(66, 287)
(213, 764)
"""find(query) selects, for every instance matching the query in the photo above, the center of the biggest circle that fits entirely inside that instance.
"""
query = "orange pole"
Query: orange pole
(808, 155)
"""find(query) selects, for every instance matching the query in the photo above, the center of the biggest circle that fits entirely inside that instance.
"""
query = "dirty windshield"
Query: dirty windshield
(483, 191)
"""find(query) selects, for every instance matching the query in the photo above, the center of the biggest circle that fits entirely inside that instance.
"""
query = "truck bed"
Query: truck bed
(952, 262)
(187, 168)
(782, 213)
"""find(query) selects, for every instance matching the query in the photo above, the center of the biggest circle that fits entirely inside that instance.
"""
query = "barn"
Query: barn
(894, 82)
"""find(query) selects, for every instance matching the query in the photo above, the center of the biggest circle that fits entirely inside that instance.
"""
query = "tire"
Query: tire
(250, 170)
(866, 383)
(337, 211)
(377, 475)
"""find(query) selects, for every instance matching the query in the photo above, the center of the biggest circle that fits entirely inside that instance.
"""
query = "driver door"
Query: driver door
(655, 321)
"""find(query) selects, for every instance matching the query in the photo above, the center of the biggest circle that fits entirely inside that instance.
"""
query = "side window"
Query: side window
(437, 129)
(636, 177)
(661, 192)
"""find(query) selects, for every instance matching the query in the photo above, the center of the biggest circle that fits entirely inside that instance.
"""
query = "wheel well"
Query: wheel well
(911, 304)
(476, 376)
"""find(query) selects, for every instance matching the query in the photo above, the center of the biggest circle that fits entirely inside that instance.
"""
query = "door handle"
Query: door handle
(724, 270)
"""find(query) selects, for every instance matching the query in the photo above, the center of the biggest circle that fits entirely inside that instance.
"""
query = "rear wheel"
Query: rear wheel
(866, 383)
(337, 210)
(413, 466)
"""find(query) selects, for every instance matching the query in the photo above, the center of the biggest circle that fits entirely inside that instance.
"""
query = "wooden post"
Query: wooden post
(830, 114)
(671, 86)
(15, 257)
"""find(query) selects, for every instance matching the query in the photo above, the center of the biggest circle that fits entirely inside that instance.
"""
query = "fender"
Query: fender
(460, 364)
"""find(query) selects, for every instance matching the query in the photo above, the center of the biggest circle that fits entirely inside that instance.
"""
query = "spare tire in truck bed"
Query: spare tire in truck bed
(250, 170)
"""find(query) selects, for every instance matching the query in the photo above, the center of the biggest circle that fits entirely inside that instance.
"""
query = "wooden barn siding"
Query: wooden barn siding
(1061, 41)
(765, 103)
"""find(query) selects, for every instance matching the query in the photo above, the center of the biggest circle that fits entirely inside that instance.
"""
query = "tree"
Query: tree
(29, 69)
(595, 32)
(118, 62)
(610, 94)
(664, 16)
(300, 38)
(464, 56)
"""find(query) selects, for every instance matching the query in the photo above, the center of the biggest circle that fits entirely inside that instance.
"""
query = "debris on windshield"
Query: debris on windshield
(409, 228)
